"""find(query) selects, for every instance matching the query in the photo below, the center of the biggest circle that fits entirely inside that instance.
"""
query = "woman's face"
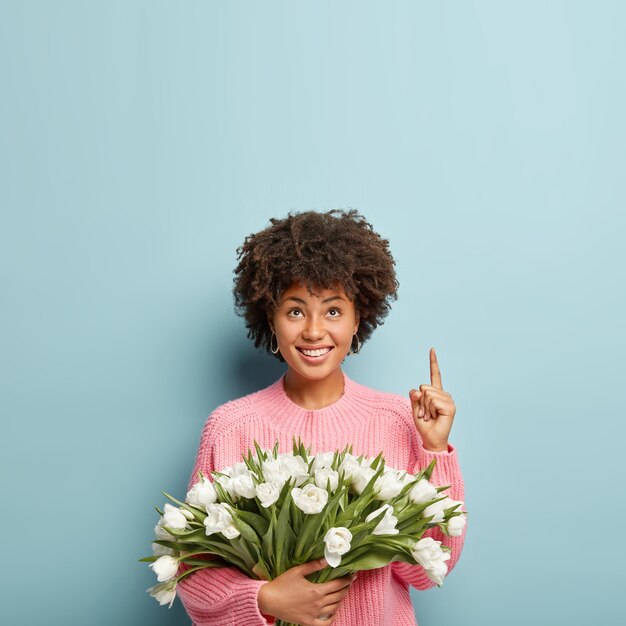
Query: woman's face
(314, 331)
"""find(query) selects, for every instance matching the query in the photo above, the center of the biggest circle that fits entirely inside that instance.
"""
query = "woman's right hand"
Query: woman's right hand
(293, 598)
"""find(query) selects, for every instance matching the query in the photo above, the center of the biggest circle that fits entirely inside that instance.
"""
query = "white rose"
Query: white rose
(243, 486)
(159, 550)
(323, 475)
(202, 493)
(337, 542)
(455, 525)
(422, 492)
(310, 499)
(165, 567)
(295, 467)
(218, 518)
(428, 553)
(164, 593)
(267, 493)
(273, 472)
(173, 517)
(387, 525)
(387, 486)
(361, 477)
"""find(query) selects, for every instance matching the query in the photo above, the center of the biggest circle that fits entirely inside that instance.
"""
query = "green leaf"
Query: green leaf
(261, 571)
(267, 544)
(203, 563)
(375, 463)
(284, 537)
(173, 499)
(258, 523)
(427, 473)
(247, 532)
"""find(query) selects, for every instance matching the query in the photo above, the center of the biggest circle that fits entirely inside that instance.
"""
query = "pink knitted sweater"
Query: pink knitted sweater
(370, 420)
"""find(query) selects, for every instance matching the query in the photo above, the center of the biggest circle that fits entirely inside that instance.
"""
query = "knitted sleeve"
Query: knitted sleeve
(221, 596)
(446, 472)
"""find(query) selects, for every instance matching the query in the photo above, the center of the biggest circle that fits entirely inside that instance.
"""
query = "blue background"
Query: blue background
(142, 141)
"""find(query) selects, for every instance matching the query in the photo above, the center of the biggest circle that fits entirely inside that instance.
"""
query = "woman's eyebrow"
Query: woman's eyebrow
(301, 301)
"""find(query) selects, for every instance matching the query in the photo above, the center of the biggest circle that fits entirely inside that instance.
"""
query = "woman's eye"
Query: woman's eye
(293, 313)
(334, 312)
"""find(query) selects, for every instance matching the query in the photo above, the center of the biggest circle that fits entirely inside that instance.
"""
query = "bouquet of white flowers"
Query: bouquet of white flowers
(273, 511)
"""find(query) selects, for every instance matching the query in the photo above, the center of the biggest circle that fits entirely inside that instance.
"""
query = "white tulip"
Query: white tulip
(267, 493)
(161, 533)
(227, 484)
(295, 467)
(310, 499)
(323, 475)
(218, 518)
(165, 567)
(337, 542)
(436, 509)
(173, 517)
(387, 486)
(323, 459)
(230, 532)
(428, 553)
(455, 525)
(422, 492)
(159, 550)
(437, 573)
(202, 493)
(239, 469)
(361, 477)
(349, 466)
(243, 485)
(273, 472)
(164, 593)
(387, 525)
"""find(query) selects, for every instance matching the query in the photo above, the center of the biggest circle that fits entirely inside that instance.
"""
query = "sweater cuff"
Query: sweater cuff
(246, 610)
(446, 470)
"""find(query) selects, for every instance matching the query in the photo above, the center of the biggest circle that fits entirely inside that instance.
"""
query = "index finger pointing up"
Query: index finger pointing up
(435, 374)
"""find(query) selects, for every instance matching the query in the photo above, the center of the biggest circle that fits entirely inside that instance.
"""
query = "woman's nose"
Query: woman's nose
(314, 328)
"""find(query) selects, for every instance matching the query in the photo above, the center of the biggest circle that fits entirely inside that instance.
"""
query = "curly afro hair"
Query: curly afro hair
(327, 250)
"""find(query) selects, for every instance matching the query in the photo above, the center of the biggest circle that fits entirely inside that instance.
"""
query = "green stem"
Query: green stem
(186, 573)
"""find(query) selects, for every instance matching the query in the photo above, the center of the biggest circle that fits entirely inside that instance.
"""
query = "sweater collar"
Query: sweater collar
(356, 402)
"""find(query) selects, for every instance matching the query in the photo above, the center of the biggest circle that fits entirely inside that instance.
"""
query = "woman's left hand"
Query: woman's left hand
(433, 410)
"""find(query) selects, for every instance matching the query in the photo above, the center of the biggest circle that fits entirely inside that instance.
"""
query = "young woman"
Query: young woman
(312, 288)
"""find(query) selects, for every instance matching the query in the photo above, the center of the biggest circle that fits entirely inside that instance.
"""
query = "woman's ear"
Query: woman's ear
(356, 322)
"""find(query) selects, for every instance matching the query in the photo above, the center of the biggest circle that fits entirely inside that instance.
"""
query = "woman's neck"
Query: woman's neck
(313, 394)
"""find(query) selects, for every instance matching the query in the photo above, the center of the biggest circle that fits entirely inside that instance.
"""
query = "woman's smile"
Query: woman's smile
(314, 355)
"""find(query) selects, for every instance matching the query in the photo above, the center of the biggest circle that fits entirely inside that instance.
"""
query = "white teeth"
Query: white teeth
(319, 352)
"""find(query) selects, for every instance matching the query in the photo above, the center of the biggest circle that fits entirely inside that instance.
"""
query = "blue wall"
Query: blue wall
(141, 142)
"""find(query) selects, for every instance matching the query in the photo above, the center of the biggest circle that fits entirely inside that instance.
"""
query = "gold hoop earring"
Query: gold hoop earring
(358, 345)
(272, 349)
